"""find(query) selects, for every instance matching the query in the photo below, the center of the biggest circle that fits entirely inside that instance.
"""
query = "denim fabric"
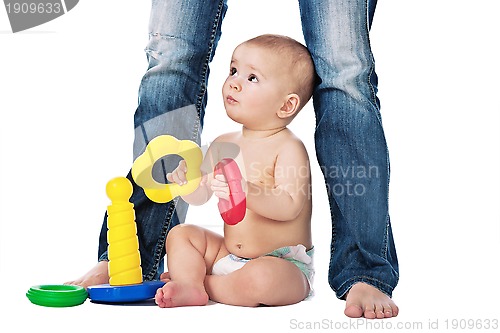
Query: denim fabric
(350, 143)
(172, 99)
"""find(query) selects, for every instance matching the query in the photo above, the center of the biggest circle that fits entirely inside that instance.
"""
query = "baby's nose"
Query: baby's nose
(234, 85)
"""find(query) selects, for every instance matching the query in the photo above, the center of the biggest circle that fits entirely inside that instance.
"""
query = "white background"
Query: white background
(68, 91)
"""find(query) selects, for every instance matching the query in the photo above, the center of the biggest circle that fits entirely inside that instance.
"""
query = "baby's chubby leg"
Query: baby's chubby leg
(265, 280)
(191, 251)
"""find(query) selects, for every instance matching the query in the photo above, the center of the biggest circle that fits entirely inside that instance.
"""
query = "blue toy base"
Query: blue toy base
(124, 294)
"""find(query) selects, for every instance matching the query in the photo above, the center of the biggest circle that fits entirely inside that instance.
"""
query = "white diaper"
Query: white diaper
(228, 264)
(297, 255)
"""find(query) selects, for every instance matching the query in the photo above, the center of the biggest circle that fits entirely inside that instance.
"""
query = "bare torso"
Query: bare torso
(259, 159)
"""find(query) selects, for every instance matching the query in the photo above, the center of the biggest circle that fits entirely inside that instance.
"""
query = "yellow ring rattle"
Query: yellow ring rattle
(157, 148)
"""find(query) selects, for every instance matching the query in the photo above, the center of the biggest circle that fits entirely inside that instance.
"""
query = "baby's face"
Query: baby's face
(256, 87)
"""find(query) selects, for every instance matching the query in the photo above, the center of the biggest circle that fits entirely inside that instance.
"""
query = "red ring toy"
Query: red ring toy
(234, 209)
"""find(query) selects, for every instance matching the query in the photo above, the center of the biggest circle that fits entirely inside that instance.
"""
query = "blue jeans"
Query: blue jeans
(350, 143)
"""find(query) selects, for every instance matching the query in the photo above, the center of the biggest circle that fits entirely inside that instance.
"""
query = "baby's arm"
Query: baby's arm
(285, 200)
(201, 195)
(204, 191)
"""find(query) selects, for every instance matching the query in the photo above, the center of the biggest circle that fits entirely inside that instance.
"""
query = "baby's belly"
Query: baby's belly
(255, 238)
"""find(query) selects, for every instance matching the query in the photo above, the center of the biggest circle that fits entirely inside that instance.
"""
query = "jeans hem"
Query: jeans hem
(342, 291)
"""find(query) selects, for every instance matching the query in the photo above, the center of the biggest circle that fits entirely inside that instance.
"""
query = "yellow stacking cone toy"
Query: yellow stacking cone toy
(123, 246)
(124, 266)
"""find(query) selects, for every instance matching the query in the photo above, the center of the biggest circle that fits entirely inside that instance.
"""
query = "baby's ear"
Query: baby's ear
(290, 107)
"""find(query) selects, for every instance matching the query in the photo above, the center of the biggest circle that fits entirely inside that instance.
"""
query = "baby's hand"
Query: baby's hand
(178, 176)
(220, 187)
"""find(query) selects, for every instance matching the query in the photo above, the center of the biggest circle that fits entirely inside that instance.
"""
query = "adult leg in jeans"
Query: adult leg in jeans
(183, 35)
(353, 155)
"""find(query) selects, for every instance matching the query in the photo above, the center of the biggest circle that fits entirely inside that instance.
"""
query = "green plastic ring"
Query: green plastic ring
(57, 295)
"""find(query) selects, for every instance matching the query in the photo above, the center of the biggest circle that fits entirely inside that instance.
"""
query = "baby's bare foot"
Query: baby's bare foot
(174, 294)
(364, 300)
(97, 275)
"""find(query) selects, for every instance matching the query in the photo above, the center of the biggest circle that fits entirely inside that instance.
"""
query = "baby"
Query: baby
(267, 257)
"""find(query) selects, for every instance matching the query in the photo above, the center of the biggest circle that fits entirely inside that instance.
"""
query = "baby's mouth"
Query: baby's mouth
(231, 100)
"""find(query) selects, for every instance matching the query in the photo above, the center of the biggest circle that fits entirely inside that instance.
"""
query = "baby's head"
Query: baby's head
(271, 78)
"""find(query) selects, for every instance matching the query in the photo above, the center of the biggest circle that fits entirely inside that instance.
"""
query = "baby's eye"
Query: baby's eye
(232, 71)
(253, 78)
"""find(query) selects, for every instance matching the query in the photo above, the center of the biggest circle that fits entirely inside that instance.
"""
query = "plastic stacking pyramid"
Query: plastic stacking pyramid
(123, 246)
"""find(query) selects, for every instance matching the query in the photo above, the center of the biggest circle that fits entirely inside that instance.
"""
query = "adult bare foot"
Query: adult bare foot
(174, 294)
(165, 276)
(97, 275)
(364, 300)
